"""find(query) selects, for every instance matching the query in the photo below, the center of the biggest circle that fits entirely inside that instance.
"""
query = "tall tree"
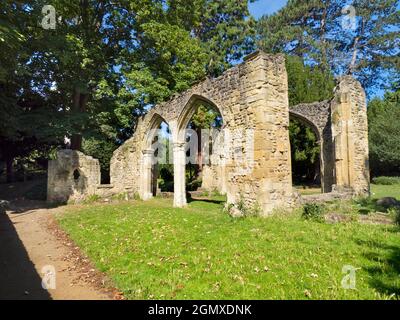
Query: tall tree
(361, 40)
(384, 134)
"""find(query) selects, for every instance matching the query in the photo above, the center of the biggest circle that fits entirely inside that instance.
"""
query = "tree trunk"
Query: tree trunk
(9, 170)
(79, 105)
(354, 57)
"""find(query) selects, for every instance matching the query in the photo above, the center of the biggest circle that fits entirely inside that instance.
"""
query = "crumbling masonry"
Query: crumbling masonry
(252, 96)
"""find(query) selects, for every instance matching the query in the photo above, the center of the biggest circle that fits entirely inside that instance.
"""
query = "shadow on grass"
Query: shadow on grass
(190, 199)
(385, 273)
(369, 205)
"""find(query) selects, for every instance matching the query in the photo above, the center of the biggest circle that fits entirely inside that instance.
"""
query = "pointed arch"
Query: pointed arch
(154, 123)
(190, 109)
(308, 122)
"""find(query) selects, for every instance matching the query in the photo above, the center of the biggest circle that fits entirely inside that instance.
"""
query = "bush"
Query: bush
(194, 185)
(313, 211)
(166, 186)
(166, 174)
(386, 181)
(91, 199)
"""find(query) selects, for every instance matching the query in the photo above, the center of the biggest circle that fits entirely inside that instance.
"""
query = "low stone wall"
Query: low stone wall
(72, 176)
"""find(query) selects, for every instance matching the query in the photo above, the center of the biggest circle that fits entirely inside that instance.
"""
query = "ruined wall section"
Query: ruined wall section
(350, 134)
(251, 96)
(72, 176)
(318, 116)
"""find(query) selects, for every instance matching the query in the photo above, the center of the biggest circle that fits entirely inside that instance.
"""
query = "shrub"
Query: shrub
(136, 196)
(194, 185)
(242, 209)
(166, 174)
(91, 199)
(313, 211)
(120, 196)
(166, 186)
(387, 181)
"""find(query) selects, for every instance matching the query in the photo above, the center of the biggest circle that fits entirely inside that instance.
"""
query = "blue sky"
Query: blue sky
(262, 7)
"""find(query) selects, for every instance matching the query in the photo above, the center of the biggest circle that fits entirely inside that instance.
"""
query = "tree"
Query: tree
(326, 33)
(107, 62)
(308, 84)
(384, 134)
(204, 118)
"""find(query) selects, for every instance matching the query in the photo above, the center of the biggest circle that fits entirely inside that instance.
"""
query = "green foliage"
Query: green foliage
(314, 31)
(205, 117)
(166, 173)
(308, 84)
(105, 64)
(384, 134)
(92, 199)
(245, 209)
(101, 149)
(305, 153)
(120, 196)
(193, 185)
(313, 211)
(386, 181)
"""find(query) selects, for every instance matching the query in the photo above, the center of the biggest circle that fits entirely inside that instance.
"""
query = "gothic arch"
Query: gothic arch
(189, 110)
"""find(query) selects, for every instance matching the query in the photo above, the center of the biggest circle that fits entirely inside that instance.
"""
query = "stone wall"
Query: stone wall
(72, 177)
(252, 96)
(318, 116)
(344, 142)
(252, 99)
(350, 136)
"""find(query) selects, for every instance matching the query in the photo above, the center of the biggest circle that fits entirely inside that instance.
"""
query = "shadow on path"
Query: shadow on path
(19, 279)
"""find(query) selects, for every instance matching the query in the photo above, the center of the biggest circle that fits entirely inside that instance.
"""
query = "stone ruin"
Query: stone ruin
(250, 96)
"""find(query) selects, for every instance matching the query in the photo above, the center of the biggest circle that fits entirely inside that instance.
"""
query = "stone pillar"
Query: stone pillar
(146, 177)
(179, 175)
(350, 134)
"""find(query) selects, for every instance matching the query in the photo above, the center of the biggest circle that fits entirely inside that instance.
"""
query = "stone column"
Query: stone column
(179, 175)
(146, 177)
(350, 132)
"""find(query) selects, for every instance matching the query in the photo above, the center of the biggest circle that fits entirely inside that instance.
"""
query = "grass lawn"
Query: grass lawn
(153, 251)
(379, 191)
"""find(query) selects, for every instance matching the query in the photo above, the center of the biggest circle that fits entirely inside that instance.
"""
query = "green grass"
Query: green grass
(380, 191)
(153, 251)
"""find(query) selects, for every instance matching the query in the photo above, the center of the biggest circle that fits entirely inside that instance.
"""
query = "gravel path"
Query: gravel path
(27, 245)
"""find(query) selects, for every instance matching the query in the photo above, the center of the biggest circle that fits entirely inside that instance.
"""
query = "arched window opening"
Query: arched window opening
(163, 168)
(201, 128)
(306, 157)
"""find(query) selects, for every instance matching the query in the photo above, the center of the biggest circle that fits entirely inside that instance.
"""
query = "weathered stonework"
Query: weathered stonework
(72, 177)
(252, 96)
(350, 136)
(318, 116)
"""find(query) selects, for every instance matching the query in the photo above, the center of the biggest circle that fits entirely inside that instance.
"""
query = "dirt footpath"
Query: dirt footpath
(28, 247)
